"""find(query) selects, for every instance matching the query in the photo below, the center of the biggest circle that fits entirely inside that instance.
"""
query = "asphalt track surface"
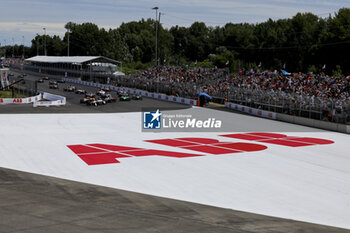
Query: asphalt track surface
(74, 106)
(36, 203)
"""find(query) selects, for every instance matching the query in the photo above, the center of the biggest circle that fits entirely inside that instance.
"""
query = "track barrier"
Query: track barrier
(27, 100)
(52, 100)
(251, 111)
(158, 96)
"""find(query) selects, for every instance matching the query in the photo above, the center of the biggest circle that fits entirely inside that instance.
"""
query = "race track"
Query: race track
(300, 173)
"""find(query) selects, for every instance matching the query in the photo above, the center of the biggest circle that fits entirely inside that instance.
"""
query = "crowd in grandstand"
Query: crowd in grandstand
(308, 90)
(217, 81)
(10, 61)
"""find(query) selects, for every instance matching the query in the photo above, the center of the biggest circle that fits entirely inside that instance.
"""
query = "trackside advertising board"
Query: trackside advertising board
(251, 111)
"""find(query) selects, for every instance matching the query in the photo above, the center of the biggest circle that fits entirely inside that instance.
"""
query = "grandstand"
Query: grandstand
(89, 68)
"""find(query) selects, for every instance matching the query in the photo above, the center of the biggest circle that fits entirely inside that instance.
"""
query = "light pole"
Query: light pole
(23, 47)
(5, 48)
(68, 31)
(45, 41)
(37, 44)
(158, 33)
(156, 8)
(13, 47)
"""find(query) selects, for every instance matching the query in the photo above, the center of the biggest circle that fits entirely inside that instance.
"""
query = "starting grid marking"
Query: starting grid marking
(96, 154)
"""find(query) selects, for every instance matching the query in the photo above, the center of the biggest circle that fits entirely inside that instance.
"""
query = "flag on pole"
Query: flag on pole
(324, 67)
(227, 62)
(259, 64)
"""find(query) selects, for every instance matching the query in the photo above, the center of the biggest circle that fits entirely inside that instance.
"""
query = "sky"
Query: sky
(21, 20)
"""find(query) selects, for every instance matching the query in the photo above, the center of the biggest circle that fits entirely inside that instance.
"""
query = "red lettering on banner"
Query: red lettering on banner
(250, 110)
(182, 100)
(191, 102)
(152, 95)
(236, 107)
(174, 99)
(1, 100)
(166, 97)
(259, 113)
(146, 94)
(270, 115)
(210, 146)
(159, 96)
(94, 154)
(17, 101)
(243, 109)
(280, 139)
(30, 99)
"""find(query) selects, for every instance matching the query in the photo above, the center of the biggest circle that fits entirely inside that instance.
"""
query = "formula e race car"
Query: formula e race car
(125, 97)
(101, 92)
(109, 99)
(53, 86)
(137, 97)
(61, 81)
(69, 88)
(85, 100)
(80, 91)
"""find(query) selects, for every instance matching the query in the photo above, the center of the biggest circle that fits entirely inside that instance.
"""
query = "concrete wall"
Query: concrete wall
(342, 128)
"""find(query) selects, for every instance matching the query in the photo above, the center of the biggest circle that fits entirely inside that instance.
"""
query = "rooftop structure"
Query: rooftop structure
(93, 68)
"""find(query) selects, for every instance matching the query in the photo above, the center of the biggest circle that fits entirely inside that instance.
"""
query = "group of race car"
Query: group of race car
(101, 97)
(104, 96)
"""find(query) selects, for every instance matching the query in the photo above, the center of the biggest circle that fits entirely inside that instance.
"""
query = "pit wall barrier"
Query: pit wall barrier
(251, 111)
(52, 100)
(27, 100)
(158, 96)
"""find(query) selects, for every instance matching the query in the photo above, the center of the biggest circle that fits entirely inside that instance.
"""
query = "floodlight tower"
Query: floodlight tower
(156, 8)
(45, 52)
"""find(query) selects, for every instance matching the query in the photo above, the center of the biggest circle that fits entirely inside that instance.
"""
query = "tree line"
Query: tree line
(305, 42)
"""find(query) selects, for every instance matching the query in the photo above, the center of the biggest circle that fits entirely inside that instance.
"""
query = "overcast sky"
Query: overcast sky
(26, 18)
